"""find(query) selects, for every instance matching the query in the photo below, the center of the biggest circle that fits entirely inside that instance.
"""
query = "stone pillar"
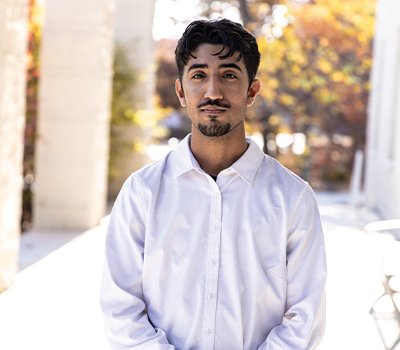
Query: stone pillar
(13, 46)
(383, 129)
(133, 30)
(73, 121)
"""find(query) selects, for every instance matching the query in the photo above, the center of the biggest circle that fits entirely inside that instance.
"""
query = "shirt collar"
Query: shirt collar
(183, 158)
(246, 166)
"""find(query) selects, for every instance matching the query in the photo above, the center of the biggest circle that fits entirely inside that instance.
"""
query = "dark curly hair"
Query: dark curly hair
(219, 32)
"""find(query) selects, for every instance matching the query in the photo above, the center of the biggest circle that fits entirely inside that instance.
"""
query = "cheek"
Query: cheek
(239, 98)
(237, 92)
(193, 97)
(193, 91)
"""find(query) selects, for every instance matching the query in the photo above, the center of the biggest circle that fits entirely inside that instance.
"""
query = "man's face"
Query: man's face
(216, 92)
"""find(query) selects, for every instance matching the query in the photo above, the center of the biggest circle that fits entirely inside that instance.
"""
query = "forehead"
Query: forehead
(206, 53)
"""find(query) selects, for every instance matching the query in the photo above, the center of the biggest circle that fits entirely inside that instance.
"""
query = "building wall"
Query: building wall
(383, 128)
(13, 46)
(74, 112)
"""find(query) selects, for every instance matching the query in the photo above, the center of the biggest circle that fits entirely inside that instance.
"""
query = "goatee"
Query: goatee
(214, 130)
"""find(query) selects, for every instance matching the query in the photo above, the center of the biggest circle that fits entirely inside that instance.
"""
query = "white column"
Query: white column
(133, 29)
(73, 122)
(13, 46)
(383, 143)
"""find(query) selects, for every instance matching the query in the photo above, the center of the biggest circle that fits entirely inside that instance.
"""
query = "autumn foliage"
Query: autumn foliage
(315, 80)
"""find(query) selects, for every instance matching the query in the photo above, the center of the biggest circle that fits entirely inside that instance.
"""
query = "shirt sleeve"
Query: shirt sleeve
(303, 325)
(124, 312)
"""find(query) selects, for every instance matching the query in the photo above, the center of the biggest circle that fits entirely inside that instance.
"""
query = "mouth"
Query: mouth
(212, 110)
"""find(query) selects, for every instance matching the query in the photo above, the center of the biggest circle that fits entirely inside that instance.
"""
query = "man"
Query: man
(216, 246)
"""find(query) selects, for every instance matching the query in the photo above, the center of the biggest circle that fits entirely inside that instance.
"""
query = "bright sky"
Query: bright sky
(184, 10)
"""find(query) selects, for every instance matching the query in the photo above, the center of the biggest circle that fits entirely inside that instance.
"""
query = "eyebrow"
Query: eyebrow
(197, 66)
(230, 65)
(221, 66)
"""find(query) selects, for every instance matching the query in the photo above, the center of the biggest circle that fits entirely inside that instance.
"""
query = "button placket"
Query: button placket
(213, 258)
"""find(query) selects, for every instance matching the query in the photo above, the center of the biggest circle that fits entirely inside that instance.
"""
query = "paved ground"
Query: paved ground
(354, 271)
(53, 304)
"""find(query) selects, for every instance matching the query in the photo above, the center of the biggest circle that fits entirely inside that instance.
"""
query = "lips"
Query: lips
(213, 110)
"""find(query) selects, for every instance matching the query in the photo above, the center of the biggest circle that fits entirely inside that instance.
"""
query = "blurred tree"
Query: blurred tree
(316, 79)
(127, 118)
(32, 79)
(166, 75)
(122, 107)
(125, 77)
(253, 13)
(175, 123)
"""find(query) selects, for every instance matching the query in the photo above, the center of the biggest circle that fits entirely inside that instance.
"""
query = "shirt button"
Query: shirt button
(208, 332)
(211, 297)
(216, 195)
(213, 263)
(216, 228)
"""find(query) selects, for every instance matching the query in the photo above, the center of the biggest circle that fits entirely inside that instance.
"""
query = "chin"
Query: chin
(214, 130)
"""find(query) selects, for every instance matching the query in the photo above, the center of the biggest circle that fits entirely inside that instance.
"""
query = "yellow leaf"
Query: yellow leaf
(272, 83)
(324, 65)
(274, 120)
(139, 146)
(324, 42)
(296, 69)
(362, 38)
(337, 77)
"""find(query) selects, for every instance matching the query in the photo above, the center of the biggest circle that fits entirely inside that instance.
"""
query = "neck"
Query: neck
(215, 154)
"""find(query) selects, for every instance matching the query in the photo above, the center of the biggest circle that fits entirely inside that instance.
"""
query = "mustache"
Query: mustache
(213, 103)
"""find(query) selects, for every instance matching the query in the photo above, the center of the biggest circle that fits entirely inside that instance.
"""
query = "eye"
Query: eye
(198, 76)
(230, 76)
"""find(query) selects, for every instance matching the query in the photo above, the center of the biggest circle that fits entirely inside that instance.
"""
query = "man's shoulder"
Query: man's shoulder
(152, 171)
(145, 180)
(275, 169)
(285, 184)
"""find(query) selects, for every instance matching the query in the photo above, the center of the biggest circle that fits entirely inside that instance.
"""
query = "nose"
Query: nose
(213, 90)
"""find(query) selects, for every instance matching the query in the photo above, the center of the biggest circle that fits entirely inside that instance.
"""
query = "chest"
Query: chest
(232, 225)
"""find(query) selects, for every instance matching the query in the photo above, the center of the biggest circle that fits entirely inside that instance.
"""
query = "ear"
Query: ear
(253, 91)
(179, 93)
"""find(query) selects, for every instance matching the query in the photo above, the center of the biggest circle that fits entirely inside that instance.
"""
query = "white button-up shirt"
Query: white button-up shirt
(233, 264)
